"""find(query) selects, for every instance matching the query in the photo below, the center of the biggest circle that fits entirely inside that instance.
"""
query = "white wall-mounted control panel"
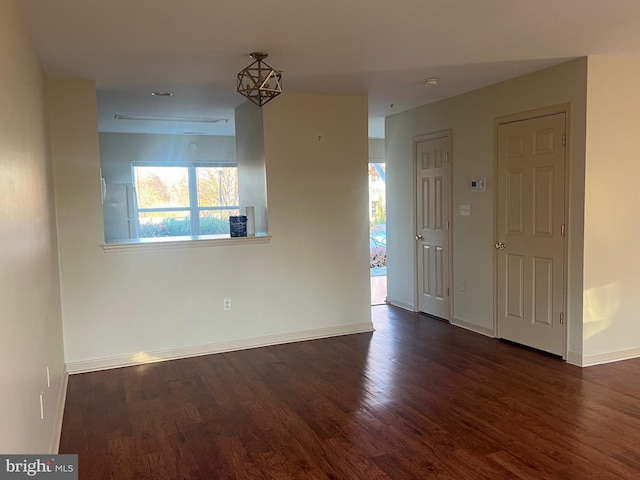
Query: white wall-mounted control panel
(478, 184)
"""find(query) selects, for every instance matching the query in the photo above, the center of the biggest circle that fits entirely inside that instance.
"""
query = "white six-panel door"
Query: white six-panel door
(432, 225)
(530, 232)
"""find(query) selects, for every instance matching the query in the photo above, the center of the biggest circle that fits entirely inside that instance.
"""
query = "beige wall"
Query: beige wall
(311, 278)
(471, 118)
(612, 232)
(30, 318)
(318, 204)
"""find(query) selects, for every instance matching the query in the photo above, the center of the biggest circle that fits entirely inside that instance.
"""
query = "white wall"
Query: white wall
(252, 176)
(118, 150)
(312, 277)
(612, 230)
(471, 118)
(376, 149)
(30, 318)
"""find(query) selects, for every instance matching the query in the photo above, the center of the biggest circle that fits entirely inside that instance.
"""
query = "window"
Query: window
(179, 200)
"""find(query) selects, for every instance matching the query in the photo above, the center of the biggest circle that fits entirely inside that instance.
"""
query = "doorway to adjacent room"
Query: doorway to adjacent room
(377, 233)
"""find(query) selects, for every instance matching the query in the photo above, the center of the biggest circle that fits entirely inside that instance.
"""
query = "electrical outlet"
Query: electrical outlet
(227, 304)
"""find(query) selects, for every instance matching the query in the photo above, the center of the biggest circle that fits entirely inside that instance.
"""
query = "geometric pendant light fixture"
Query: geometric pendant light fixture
(259, 82)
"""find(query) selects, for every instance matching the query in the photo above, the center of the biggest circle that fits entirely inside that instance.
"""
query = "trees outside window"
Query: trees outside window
(185, 199)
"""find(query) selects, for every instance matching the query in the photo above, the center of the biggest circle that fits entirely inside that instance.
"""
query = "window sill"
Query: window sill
(163, 243)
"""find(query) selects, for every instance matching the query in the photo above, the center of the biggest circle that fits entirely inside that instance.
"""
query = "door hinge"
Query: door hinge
(448, 291)
(562, 229)
(446, 225)
(561, 318)
(446, 157)
(564, 139)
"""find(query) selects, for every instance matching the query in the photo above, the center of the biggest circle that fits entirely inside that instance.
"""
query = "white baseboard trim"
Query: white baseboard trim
(198, 350)
(574, 358)
(609, 357)
(57, 420)
(398, 303)
(474, 328)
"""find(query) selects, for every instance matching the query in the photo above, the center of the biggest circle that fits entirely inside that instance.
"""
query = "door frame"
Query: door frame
(417, 139)
(564, 108)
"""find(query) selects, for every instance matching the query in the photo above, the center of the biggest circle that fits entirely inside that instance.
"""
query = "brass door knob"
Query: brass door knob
(500, 246)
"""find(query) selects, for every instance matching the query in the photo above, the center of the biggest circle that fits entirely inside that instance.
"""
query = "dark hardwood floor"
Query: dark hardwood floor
(417, 399)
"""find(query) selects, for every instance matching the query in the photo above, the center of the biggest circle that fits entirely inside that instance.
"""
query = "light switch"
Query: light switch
(465, 210)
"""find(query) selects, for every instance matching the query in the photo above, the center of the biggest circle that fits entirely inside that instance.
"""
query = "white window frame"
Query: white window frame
(194, 208)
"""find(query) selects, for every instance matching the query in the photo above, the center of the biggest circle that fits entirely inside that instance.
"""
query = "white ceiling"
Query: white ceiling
(194, 49)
